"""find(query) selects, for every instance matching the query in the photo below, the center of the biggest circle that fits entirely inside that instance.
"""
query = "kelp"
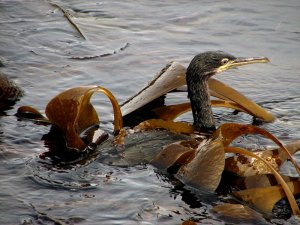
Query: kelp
(168, 79)
(29, 112)
(68, 16)
(247, 166)
(171, 112)
(204, 171)
(188, 222)
(199, 162)
(177, 127)
(285, 187)
(237, 214)
(255, 181)
(228, 93)
(72, 112)
(171, 77)
(175, 154)
(230, 131)
(264, 199)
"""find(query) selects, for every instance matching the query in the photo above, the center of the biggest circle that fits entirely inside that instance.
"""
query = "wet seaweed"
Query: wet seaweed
(102, 55)
(199, 163)
(68, 16)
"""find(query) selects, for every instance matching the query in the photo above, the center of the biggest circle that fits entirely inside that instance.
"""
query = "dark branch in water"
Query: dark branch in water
(102, 55)
(42, 215)
(68, 16)
(46, 216)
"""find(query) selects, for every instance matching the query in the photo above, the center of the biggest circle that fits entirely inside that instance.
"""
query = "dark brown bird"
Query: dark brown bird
(202, 67)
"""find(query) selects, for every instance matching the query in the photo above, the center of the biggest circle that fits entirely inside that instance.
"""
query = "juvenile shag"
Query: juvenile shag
(201, 68)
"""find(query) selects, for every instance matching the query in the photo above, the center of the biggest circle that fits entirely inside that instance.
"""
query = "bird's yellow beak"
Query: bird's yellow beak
(242, 61)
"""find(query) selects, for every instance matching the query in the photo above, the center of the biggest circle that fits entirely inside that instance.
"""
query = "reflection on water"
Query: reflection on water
(41, 51)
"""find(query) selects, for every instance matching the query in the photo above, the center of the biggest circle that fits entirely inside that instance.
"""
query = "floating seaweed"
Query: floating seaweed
(200, 160)
(68, 16)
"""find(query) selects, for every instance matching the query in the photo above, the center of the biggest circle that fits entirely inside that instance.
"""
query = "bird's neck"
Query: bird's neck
(198, 93)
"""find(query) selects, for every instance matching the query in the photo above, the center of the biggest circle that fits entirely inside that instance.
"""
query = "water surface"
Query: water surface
(126, 44)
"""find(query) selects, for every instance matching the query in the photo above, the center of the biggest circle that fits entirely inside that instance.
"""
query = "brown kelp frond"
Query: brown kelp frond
(247, 166)
(118, 121)
(171, 112)
(172, 77)
(188, 222)
(169, 78)
(285, 187)
(230, 131)
(238, 214)
(225, 92)
(72, 112)
(68, 16)
(256, 181)
(175, 154)
(28, 112)
(205, 169)
(176, 127)
(265, 198)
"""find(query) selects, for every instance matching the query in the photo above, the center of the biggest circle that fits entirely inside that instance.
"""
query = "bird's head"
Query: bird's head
(209, 63)
(201, 68)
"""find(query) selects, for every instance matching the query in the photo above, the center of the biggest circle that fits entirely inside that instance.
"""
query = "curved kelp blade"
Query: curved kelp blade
(171, 112)
(28, 112)
(175, 154)
(238, 214)
(287, 191)
(230, 131)
(225, 92)
(235, 100)
(72, 112)
(176, 127)
(169, 78)
(255, 181)
(264, 199)
(173, 76)
(230, 98)
(205, 169)
(248, 166)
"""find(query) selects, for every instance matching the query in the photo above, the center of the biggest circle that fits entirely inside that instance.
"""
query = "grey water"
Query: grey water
(127, 43)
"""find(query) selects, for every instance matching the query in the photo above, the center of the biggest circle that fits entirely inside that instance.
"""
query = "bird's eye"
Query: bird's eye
(224, 61)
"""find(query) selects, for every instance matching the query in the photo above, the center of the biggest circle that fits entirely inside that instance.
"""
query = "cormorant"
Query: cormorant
(201, 68)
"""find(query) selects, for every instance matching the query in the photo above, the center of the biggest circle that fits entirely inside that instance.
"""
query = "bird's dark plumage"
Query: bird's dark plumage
(201, 68)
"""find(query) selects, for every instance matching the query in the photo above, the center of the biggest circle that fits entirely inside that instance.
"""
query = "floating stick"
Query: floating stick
(68, 16)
